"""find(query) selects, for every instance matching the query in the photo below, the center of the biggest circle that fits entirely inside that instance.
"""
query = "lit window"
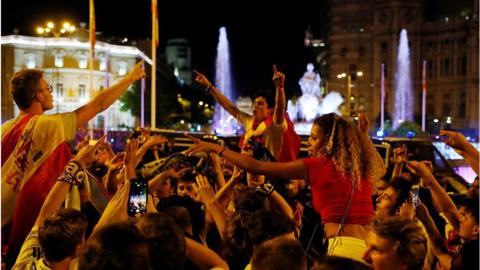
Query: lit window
(82, 91)
(58, 60)
(103, 63)
(30, 61)
(60, 90)
(122, 68)
(82, 61)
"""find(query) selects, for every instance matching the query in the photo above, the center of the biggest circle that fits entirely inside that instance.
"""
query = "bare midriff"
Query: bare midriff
(352, 230)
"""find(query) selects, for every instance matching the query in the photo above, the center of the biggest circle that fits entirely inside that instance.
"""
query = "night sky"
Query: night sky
(259, 36)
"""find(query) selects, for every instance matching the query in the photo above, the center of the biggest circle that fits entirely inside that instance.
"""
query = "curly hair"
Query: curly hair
(350, 152)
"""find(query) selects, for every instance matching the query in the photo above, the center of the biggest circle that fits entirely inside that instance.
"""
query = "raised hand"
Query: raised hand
(400, 154)
(130, 165)
(155, 140)
(419, 168)
(363, 123)
(278, 78)
(203, 189)
(144, 135)
(201, 79)
(89, 153)
(116, 162)
(202, 146)
(137, 71)
(455, 139)
(237, 173)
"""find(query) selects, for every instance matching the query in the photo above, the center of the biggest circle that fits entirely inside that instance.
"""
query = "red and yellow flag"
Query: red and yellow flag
(92, 29)
(154, 23)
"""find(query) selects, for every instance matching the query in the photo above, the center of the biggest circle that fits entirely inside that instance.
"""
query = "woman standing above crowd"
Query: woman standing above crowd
(342, 165)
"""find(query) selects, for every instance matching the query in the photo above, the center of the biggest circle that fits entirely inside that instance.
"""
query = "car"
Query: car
(420, 149)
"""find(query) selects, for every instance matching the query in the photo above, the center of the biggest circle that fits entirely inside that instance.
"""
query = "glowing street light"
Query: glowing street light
(67, 28)
(349, 87)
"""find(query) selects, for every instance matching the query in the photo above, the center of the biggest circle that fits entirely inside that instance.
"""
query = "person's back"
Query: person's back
(116, 247)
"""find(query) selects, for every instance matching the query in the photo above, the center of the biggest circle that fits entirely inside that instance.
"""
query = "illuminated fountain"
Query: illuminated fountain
(311, 104)
(403, 86)
(223, 122)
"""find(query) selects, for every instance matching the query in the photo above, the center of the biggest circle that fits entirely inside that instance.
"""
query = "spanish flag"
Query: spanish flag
(92, 29)
(35, 154)
(154, 23)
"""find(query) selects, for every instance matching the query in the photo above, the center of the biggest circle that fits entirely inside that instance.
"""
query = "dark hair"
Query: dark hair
(166, 243)
(60, 234)
(267, 96)
(180, 215)
(246, 229)
(338, 263)
(279, 253)
(410, 243)
(119, 246)
(403, 187)
(471, 206)
(197, 216)
(24, 85)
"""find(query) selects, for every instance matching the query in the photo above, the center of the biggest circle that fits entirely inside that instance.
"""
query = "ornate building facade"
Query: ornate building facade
(365, 34)
(65, 63)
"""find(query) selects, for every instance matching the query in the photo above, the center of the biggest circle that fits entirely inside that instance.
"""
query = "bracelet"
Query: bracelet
(266, 188)
(220, 153)
(73, 174)
(207, 89)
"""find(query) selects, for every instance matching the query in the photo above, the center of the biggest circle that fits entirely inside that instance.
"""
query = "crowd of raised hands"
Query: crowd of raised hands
(201, 213)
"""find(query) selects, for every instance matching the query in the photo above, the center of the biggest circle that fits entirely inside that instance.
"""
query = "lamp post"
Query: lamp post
(50, 29)
(349, 87)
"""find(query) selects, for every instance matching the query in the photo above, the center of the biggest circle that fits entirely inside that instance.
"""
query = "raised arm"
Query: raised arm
(108, 96)
(444, 202)
(457, 141)
(73, 175)
(219, 97)
(376, 165)
(285, 170)
(280, 101)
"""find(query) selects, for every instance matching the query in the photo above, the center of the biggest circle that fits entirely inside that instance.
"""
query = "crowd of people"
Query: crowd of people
(257, 206)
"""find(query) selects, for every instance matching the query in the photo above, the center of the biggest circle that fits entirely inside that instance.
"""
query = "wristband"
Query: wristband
(73, 174)
(266, 188)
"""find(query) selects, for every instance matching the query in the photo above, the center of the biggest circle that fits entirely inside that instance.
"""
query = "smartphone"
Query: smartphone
(415, 189)
(137, 199)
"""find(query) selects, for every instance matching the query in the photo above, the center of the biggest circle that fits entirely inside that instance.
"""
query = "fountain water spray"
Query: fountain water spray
(403, 87)
(223, 122)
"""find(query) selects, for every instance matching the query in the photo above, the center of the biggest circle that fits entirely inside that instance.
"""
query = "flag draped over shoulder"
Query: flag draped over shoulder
(29, 170)
(92, 29)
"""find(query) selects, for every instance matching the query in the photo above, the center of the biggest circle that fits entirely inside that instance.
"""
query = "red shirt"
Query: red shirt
(331, 191)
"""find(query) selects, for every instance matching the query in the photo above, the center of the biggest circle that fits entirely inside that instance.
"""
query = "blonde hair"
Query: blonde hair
(346, 147)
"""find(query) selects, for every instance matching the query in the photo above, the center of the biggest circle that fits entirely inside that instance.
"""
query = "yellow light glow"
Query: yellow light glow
(66, 25)
(72, 28)
(40, 30)
(360, 73)
(47, 30)
(50, 25)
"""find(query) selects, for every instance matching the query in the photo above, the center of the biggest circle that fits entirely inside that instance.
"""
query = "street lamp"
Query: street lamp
(50, 29)
(349, 87)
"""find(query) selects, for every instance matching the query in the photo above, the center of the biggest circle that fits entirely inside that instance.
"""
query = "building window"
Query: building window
(462, 109)
(103, 63)
(82, 61)
(446, 67)
(122, 68)
(446, 104)
(430, 107)
(30, 61)
(430, 69)
(58, 60)
(361, 103)
(361, 51)
(82, 93)
(60, 90)
(344, 51)
(462, 65)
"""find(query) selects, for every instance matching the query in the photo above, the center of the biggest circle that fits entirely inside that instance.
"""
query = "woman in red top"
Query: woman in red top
(342, 164)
